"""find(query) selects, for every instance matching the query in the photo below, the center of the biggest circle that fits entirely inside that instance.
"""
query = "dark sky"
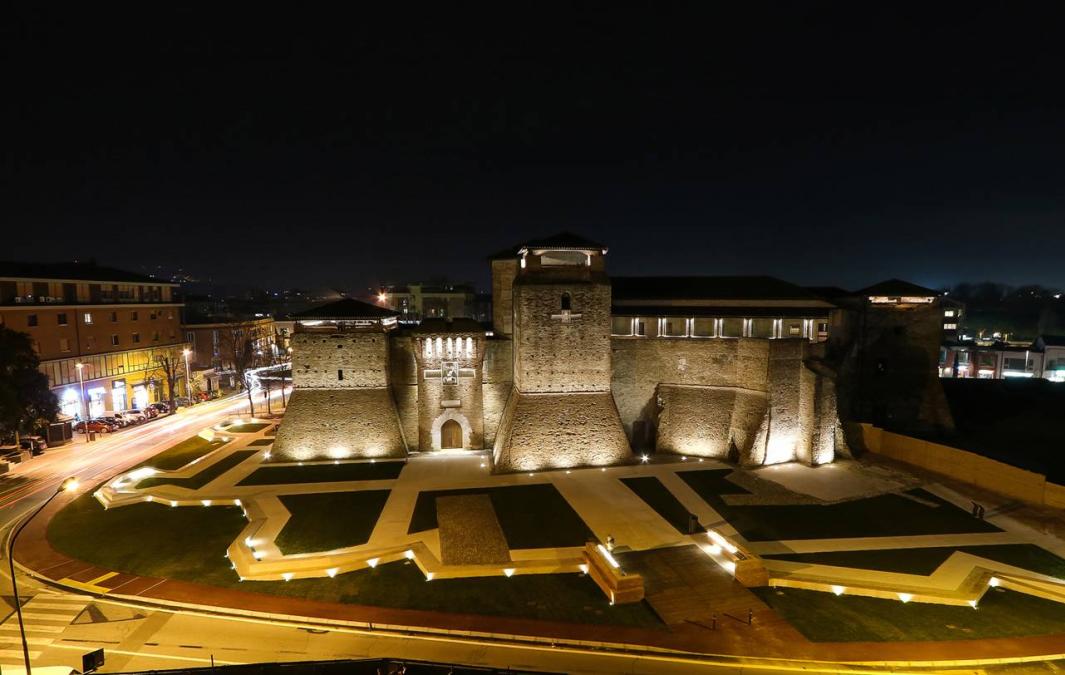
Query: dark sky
(825, 144)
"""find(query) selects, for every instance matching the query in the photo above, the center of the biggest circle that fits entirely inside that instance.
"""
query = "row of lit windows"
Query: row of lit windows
(62, 319)
(90, 341)
(730, 327)
(451, 348)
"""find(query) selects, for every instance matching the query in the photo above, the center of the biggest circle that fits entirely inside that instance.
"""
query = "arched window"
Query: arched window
(567, 303)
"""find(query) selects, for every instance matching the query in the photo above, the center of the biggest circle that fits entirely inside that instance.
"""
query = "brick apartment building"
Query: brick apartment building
(117, 325)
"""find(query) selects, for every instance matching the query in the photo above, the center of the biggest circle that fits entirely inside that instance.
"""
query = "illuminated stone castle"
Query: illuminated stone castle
(578, 369)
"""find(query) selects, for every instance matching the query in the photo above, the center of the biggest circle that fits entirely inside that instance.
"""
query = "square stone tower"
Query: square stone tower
(561, 412)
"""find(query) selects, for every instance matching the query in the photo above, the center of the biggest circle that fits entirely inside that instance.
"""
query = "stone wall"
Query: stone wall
(321, 359)
(554, 431)
(403, 375)
(503, 274)
(721, 422)
(641, 364)
(753, 400)
(552, 354)
(497, 382)
(324, 424)
(439, 401)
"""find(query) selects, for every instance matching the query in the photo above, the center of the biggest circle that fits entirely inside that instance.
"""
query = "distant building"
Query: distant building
(1044, 358)
(116, 324)
(953, 313)
(212, 347)
(418, 301)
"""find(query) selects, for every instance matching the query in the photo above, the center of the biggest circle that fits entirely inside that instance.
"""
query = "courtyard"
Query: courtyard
(846, 546)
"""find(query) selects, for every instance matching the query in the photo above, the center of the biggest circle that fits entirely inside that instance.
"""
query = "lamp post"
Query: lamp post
(84, 403)
(188, 378)
(67, 485)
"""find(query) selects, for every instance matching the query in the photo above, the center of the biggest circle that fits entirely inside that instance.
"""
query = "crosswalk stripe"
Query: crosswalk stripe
(13, 628)
(63, 618)
(45, 641)
(54, 605)
(17, 654)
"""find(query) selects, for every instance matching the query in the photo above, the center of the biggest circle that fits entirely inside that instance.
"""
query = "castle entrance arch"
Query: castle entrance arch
(450, 435)
(451, 430)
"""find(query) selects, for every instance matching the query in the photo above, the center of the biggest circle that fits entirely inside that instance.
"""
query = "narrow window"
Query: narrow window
(340, 374)
(61, 318)
(31, 319)
(567, 303)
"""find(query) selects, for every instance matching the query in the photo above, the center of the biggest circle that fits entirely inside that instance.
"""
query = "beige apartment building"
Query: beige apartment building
(119, 326)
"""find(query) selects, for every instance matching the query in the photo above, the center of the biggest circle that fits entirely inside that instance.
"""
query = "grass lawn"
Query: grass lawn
(651, 490)
(531, 516)
(181, 454)
(925, 561)
(920, 512)
(329, 520)
(823, 617)
(323, 473)
(246, 428)
(197, 481)
(188, 543)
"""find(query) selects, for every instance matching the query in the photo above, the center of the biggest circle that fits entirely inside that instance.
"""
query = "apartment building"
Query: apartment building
(103, 335)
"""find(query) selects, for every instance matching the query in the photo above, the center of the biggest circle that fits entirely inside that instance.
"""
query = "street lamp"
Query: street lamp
(84, 403)
(68, 485)
(188, 379)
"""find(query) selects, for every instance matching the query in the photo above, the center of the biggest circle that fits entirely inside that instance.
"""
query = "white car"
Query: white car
(135, 416)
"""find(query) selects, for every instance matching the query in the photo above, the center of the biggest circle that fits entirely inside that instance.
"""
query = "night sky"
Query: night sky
(824, 144)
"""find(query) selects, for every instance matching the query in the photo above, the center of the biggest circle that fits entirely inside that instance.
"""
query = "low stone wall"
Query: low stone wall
(339, 424)
(968, 467)
(559, 431)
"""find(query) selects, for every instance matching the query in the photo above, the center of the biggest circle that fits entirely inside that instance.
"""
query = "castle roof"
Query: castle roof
(708, 288)
(560, 241)
(74, 271)
(897, 287)
(347, 308)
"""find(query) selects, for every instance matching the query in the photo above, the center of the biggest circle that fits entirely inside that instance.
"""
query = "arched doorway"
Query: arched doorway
(450, 435)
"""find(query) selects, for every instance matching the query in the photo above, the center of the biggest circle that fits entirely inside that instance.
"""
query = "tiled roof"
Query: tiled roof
(708, 288)
(73, 271)
(562, 240)
(897, 287)
(348, 308)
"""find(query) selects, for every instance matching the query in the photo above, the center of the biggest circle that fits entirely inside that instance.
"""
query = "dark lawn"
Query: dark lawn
(651, 491)
(260, 442)
(197, 481)
(246, 428)
(189, 543)
(925, 561)
(880, 516)
(181, 454)
(824, 617)
(329, 520)
(531, 516)
(323, 473)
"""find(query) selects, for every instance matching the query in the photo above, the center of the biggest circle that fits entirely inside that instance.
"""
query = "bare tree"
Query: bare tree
(236, 347)
(167, 363)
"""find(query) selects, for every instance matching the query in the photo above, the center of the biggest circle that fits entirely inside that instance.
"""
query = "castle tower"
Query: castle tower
(341, 406)
(561, 412)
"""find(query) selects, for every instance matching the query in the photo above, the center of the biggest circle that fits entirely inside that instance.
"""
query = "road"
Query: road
(63, 626)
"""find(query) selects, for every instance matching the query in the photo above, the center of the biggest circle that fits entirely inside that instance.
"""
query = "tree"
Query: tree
(168, 363)
(236, 348)
(26, 403)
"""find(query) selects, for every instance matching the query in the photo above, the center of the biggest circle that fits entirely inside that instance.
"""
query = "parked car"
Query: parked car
(162, 408)
(111, 421)
(118, 417)
(95, 426)
(135, 416)
(35, 444)
(182, 402)
(149, 411)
